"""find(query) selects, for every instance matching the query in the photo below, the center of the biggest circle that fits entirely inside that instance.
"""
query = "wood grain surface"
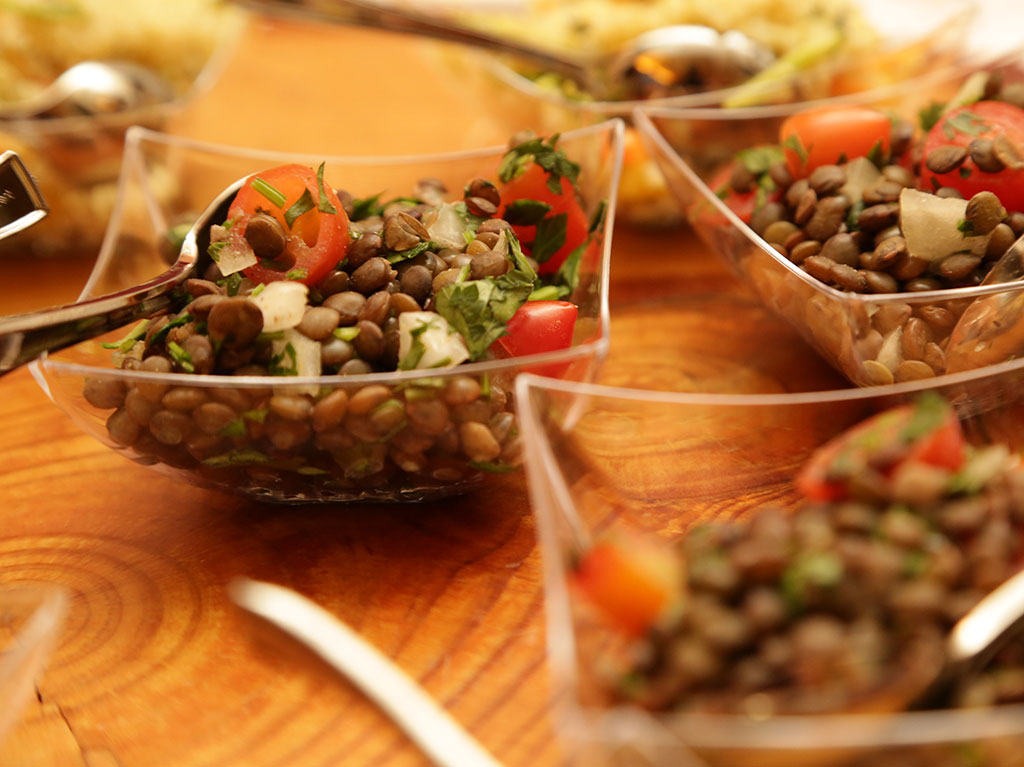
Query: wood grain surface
(154, 667)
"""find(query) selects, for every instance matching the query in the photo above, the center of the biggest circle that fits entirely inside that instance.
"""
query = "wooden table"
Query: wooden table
(155, 667)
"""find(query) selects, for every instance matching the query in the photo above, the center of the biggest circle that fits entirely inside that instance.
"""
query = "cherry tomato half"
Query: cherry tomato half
(532, 184)
(630, 581)
(317, 240)
(941, 444)
(984, 119)
(536, 327)
(826, 135)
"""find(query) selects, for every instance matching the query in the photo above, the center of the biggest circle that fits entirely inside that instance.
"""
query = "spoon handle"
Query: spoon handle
(440, 737)
(24, 337)
(362, 13)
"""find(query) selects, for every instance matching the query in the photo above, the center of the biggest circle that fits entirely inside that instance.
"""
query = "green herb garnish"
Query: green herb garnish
(182, 357)
(277, 366)
(234, 428)
(231, 283)
(302, 205)
(597, 220)
(257, 290)
(793, 142)
(346, 334)
(544, 154)
(297, 274)
(526, 212)
(929, 116)
(137, 333)
(493, 467)
(969, 123)
(404, 255)
(479, 310)
(324, 205)
(161, 334)
(550, 237)
(268, 191)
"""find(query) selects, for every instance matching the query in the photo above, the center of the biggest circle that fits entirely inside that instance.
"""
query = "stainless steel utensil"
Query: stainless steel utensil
(21, 202)
(674, 59)
(93, 88)
(439, 736)
(24, 337)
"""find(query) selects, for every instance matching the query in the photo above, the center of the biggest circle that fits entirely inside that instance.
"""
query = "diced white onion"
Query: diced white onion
(283, 304)
(443, 347)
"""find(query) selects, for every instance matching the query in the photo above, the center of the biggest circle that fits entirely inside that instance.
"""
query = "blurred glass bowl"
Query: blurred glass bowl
(601, 460)
(369, 459)
(75, 159)
(916, 38)
(859, 334)
(30, 620)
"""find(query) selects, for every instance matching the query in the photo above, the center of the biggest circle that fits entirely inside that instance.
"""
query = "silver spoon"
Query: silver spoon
(437, 734)
(93, 88)
(666, 61)
(991, 329)
(24, 337)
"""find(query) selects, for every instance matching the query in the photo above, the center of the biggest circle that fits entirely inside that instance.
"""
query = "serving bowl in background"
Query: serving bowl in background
(916, 39)
(602, 461)
(409, 443)
(76, 158)
(860, 334)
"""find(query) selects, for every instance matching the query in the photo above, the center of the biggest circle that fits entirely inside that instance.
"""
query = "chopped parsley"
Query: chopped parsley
(875, 155)
(277, 365)
(239, 457)
(966, 227)
(526, 212)
(929, 116)
(550, 237)
(404, 255)
(793, 142)
(161, 334)
(417, 348)
(480, 309)
(257, 290)
(493, 467)
(547, 156)
(231, 283)
(234, 428)
(324, 205)
(297, 274)
(964, 171)
(302, 205)
(597, 220)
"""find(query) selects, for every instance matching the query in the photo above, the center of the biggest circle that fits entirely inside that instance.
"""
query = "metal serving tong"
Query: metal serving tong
(24, 337)
(21, 202)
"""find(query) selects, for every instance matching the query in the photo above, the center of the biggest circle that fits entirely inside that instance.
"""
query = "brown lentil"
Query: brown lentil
(945, 159)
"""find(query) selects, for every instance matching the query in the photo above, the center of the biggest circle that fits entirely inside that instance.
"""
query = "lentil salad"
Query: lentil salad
(904, 527)
(307, 281)
(864, 202)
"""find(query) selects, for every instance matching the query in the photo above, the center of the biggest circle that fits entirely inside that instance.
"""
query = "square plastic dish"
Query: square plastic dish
(917, 41)
(408, 448)
(859, 334)
(602, 460)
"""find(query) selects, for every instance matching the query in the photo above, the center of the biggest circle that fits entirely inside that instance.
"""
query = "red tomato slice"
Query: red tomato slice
(984, 119)
(826, 135)
(941, 444)
(536, 327)
(631, 582)
(533, 185)
(539, 326)
(317, 241)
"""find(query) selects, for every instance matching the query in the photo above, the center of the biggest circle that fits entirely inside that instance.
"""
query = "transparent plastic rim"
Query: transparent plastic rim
(596, 347)
(710, 100)
(643, 123)
(630, 724)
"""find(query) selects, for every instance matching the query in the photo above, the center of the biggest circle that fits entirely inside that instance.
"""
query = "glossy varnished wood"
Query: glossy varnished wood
(154, 666)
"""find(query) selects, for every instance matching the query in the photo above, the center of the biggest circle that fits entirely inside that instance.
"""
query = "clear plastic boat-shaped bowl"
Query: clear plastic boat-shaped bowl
(860, 334)
(918, 41)
(603, 459)
(408, 448)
